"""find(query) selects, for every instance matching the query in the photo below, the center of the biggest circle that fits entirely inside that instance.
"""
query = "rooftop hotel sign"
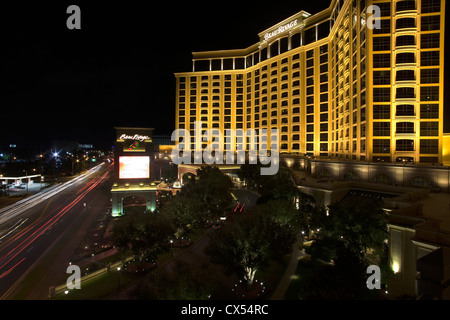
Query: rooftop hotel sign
(137, 137)
(280, 29)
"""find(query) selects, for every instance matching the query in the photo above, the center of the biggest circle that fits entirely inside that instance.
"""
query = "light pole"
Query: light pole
(26, 179)
(118, 285)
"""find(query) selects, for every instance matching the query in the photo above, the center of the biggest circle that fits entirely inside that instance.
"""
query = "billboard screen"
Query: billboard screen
(134, 167)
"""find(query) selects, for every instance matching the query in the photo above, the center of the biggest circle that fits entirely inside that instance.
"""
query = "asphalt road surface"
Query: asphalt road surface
(30, 229)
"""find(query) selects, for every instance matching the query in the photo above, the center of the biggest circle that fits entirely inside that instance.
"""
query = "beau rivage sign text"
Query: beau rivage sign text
(280, 29)
(137, 137)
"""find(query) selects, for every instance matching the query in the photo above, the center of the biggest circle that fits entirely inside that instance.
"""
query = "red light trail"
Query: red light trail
(47, 225)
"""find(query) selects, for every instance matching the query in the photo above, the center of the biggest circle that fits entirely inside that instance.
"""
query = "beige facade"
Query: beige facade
(336, 84)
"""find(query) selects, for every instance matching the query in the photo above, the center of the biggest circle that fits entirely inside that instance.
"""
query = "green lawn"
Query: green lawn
(305, 269)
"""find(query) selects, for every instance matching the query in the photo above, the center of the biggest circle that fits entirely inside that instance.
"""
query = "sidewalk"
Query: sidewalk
(297, 254)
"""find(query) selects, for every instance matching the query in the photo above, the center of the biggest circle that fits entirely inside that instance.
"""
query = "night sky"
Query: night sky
(57, 83)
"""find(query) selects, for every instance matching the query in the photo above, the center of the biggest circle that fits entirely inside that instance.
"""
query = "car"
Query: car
(217, 225)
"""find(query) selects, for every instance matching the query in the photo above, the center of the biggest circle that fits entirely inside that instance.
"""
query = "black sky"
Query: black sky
(57, 83)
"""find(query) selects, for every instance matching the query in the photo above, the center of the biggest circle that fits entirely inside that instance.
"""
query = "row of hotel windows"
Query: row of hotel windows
(427, 6)
(322, 30)
(427, 129)
(428, 93)
(427, 58)
(427, 111)
(427, 23)
(427, 41)
(427, 146)
(380, 146)
(383, 77)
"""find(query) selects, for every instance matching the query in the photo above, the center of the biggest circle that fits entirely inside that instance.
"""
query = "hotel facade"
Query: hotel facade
(360, 80)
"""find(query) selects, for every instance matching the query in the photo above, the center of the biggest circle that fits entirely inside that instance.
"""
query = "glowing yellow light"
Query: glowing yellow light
(395, 267)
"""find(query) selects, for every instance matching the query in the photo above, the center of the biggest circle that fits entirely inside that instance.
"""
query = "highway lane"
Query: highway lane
(27, 234)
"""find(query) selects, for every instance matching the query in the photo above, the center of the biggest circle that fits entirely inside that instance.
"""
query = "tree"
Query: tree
(213, 187)
(280, 186)
(142, 234)
(184, 210)
(283, 214)
(182, 282)
(201, 199)
(358, 223)
(248, 245)
(352, 227)
(243, 248)
(250, 174)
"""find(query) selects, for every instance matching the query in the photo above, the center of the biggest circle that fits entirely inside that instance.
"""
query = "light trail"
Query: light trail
(17, 208)
(14, 227)
(11, 269)
(47, 225)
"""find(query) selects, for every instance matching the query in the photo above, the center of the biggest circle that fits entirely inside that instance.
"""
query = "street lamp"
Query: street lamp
(26, 179)
(118, 285)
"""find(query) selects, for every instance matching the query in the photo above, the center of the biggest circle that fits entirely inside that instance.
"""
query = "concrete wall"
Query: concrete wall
(436, 178)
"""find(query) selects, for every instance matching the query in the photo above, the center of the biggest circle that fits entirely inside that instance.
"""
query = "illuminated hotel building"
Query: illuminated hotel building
(341, 83)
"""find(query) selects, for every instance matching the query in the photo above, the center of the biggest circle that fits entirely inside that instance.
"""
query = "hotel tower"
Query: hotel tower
(360, 80)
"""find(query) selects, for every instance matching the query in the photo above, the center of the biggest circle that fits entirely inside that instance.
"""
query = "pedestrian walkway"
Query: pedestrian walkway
(297, 254)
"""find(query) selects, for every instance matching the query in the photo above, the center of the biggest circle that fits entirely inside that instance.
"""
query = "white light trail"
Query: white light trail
(17, 208)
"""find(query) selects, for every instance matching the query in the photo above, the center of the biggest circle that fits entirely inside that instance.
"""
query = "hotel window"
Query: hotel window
(382, 60)
(429, 94)
(381, 94)
(284, 45)
(310, 35)
(382, 111)
(430, 40)
(429, 58)
(405, 23)
(431, 6)
(406, 5)
(405, 41)
(429, 76)
(404, 145)
(405, 127)
(428, 129)
(381, 129)
(405, 75)
(429, 146)
(429, 23)
(429, 159)
(381, 43)
(380, 145)
(239, 63)
(405, 93)
(385, 9)
(273, 49)
(227, 64)
(405, 57)
(421, 182)
(202, 65)
(429, 111)
(382, 77)
(323, 29)
(404, 110)
(385, 27)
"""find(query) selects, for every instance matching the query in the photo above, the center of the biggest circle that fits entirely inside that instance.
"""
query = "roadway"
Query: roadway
(29, 229)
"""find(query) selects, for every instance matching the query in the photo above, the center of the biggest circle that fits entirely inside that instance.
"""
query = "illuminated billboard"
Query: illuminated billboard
(134, 167)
